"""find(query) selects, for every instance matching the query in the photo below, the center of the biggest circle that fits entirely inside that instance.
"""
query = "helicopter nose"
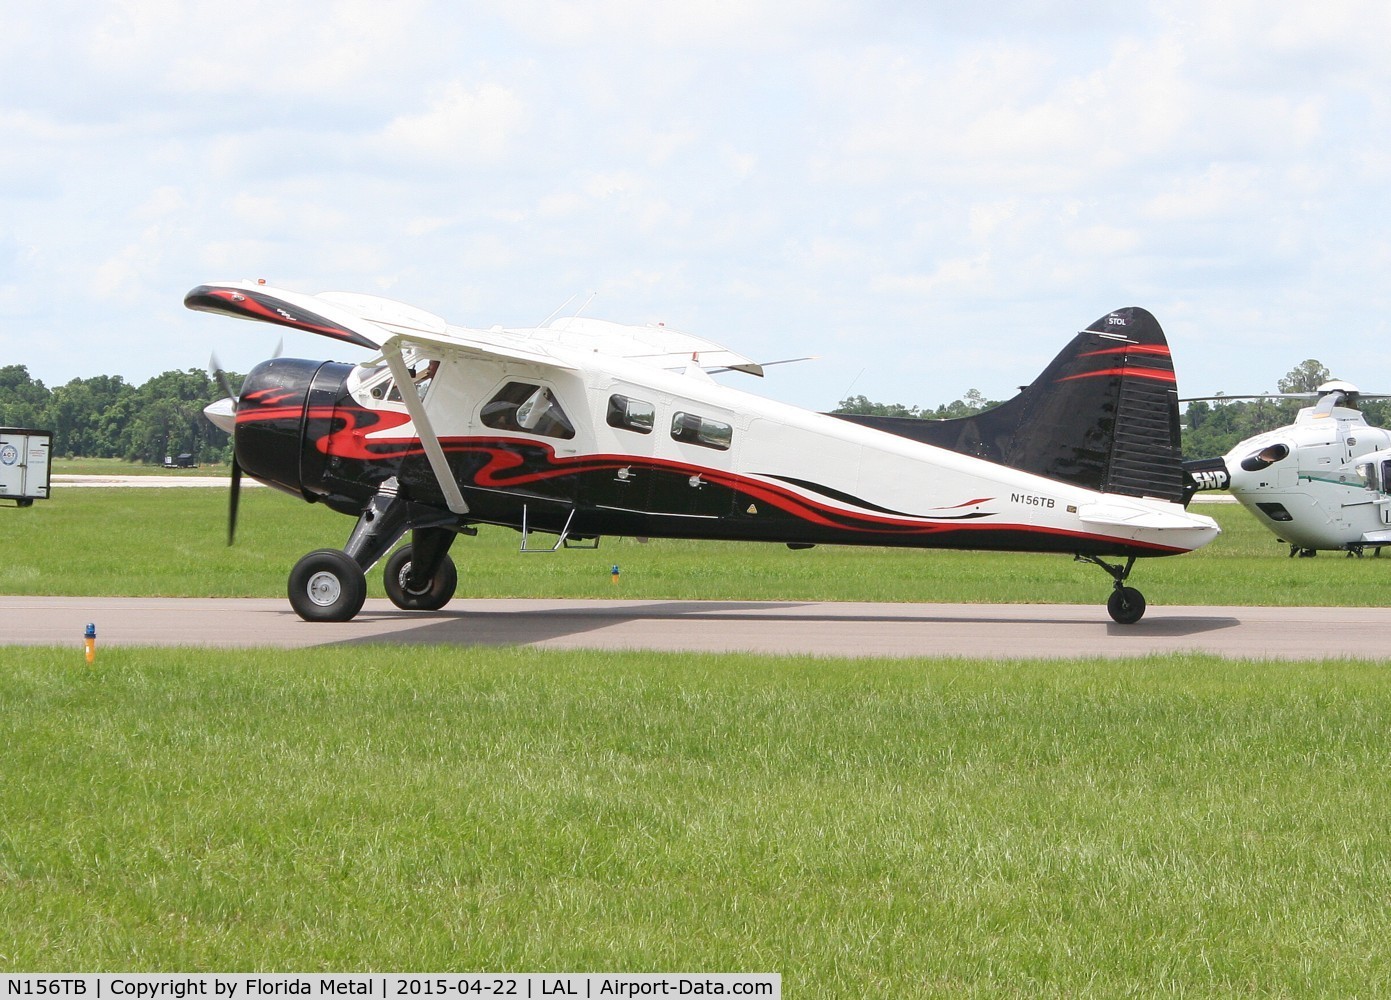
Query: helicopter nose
(222, 413)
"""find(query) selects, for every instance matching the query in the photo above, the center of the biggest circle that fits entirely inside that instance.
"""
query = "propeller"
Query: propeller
(223, 414)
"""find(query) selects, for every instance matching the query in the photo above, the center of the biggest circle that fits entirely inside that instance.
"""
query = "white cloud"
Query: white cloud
(881, 175)
(746, 24)
(461, 125)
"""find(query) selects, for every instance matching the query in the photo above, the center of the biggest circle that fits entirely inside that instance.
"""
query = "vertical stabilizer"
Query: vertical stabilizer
(1103, 415)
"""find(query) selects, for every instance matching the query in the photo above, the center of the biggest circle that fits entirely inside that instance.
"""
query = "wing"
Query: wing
(658, 346)
(364, 320)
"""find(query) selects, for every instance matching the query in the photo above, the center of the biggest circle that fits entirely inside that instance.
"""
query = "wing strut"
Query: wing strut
(391, 350)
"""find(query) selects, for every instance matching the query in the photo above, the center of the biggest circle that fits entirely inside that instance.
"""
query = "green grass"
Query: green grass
(1180, 826)
(120, 467)
(172, 543)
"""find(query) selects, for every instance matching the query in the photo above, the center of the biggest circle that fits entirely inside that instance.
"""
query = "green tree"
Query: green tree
(1305, 377)
(23, 399)
(973, 402)
(861, 405)
(79, 414)
(166, 419)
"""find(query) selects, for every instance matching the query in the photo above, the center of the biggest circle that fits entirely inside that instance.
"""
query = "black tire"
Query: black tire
(1126, 605)
(433, 597)
(327, 586)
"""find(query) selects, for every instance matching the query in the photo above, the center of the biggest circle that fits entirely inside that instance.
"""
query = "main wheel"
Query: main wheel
(433, 597)
(327, 586)
(1126, 605)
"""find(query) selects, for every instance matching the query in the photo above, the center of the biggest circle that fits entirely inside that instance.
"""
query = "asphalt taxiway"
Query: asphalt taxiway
(800, 628)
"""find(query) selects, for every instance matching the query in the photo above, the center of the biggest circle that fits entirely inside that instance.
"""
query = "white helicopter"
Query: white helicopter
(1321, 483)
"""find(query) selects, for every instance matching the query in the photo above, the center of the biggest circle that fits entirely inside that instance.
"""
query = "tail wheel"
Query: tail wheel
(327, 586)
(1126, 605)
(435, 595)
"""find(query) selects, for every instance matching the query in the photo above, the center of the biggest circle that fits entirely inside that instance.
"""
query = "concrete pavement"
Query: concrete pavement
(810, 629)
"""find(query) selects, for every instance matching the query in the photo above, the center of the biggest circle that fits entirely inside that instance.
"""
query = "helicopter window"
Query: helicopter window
(1265, 458)
(1367, 472)
(1275, 511)
(631, 414)
(520, 406)
(692, 428)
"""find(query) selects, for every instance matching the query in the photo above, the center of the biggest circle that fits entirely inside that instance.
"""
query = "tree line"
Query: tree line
(1212, 428)
(107, 417)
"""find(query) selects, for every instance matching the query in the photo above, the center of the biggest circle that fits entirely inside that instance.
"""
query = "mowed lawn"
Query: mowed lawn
(1182, 826)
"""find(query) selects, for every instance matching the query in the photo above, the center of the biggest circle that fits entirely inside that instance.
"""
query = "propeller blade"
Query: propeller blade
(223, 414)
(224, 383)
(233, 502)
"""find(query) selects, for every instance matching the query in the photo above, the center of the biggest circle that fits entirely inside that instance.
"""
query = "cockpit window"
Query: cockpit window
(526, 407)
(380, 383)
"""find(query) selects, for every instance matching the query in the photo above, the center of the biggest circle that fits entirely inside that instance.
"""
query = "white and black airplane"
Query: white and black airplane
(583, 428)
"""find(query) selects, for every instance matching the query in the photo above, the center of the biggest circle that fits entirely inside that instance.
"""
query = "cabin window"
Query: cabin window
(691, 428)
(631, 414)
(532, 409)
(1367, 472)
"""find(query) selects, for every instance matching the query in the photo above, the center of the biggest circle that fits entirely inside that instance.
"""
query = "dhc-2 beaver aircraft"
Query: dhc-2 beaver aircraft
(583, 428)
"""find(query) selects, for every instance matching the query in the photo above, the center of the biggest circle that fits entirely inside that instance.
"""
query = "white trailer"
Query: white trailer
(26, 461)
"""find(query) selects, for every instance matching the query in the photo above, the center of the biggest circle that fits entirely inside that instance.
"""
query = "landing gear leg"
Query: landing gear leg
(1126, 605)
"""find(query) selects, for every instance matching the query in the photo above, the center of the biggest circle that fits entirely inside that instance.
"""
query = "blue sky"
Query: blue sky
(930, 197)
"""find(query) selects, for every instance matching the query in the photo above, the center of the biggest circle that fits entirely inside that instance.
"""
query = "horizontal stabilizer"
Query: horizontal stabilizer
(1118, 516)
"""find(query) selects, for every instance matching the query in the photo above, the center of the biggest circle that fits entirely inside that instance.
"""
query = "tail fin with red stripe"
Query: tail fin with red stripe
(1104, 415)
